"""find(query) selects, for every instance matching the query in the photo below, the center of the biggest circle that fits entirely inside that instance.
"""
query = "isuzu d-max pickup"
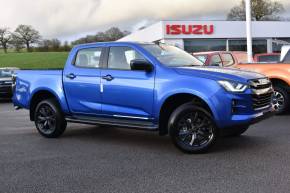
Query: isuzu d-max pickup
(146, 86)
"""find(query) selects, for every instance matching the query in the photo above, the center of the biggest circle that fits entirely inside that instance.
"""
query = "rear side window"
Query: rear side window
(228, 59)
(215, 60)
(89, 58)
(120, 57)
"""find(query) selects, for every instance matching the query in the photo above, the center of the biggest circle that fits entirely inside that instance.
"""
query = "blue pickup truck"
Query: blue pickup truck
(145, 86)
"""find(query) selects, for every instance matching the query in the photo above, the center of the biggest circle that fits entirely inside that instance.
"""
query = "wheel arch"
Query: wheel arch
(39, 96)
(171, 102)
(276, 81)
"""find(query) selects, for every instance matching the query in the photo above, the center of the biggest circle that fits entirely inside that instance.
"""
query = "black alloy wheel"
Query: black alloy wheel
(49, 119)
(280, 100)
(46, 119)
(192, 129)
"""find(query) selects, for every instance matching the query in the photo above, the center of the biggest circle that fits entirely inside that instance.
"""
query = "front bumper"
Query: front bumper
(244, 120)
(232, 110)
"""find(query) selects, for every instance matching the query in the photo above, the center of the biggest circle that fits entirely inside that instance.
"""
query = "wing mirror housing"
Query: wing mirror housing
(141, 65)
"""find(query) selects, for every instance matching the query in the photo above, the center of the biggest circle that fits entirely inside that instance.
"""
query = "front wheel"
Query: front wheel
(192, 128)
(280, 99)
(49, 119)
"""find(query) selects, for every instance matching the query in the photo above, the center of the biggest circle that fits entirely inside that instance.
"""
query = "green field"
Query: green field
(33, 60)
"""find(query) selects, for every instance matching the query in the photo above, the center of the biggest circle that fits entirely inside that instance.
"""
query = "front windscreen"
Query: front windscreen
(202, 58)
(172, 56)
(5, 73)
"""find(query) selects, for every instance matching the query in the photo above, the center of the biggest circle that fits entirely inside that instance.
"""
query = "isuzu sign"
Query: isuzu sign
(189, 29)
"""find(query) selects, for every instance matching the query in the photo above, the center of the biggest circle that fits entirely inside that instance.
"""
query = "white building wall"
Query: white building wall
(175, 42)
(149, 34)
(222, 29)
(234, 29)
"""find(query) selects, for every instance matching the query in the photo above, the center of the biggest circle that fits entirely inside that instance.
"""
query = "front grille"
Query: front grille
(5, 83)
(262, 93)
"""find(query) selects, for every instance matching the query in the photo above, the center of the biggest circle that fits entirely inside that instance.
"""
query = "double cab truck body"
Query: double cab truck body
(279, 74)
(146, 86)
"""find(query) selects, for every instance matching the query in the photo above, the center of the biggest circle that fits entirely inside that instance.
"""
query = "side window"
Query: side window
(120, 57)
(89, 58)
(228, 59)
(202, 58)
(215, 60)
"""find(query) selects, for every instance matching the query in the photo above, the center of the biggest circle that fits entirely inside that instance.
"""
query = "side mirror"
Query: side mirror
(141, 65)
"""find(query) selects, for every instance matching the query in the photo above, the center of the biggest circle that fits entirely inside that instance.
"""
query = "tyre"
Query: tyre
(236, 131)
(49, 119)
(192, 128)
(280, 99)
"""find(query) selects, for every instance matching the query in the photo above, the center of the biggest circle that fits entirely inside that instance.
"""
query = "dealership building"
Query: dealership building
(197, 36)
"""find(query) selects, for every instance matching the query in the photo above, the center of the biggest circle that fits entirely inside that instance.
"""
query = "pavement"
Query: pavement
(104, 159)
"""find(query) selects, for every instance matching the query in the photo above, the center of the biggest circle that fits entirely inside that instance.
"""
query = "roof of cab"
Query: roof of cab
(110, 43)
(209, 52)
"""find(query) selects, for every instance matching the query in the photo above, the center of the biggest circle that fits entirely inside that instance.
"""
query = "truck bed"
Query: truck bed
(28, 82)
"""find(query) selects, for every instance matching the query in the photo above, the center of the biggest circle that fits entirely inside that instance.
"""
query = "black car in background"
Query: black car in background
(6, 83)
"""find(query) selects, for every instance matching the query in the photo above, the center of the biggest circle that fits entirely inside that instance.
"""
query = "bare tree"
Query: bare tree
(261, 10)
(27, 35)
(55, 44)
(5, 37)
(17, 43)
(66, 46)
(111, 34)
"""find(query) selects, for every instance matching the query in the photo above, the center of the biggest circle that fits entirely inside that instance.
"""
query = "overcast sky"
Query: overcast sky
(70, 19)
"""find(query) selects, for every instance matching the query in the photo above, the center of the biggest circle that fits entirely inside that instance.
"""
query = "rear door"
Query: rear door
(126, 93)
(82, 82)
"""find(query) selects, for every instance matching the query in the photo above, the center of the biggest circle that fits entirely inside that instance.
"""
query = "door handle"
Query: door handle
(71, 76)
(108, 77)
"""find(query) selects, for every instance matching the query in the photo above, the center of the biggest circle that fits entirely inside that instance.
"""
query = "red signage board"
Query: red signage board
(189, 29)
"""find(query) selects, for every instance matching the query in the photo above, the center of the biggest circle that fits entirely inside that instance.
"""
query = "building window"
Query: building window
(259, 45)
(202, 45)
(278, 43)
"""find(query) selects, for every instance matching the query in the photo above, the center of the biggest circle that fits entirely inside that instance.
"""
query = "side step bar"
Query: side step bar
(144, 125)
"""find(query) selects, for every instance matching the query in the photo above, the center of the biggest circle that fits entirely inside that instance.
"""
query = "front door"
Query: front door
(126, 93)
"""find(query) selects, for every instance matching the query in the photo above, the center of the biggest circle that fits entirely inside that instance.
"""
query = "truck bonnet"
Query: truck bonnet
(217, 73)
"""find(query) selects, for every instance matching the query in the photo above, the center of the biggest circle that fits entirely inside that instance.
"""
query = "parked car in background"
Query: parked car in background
(142, 85)
(221, 58)
(241, 56)
(267, 57)
(6, 83)
(279, 74)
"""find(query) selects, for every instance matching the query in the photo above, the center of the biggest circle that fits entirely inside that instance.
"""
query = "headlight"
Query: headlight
(233, 86)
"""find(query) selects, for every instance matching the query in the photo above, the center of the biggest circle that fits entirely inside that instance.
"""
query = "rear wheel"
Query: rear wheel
(49, 119)
(192, 128)
(280, 99)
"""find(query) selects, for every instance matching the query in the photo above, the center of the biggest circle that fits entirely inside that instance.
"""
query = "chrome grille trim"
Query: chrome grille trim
(262, 92)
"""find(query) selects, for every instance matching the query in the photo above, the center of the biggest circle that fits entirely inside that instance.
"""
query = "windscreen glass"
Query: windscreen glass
(172, 56)
(6, 73)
